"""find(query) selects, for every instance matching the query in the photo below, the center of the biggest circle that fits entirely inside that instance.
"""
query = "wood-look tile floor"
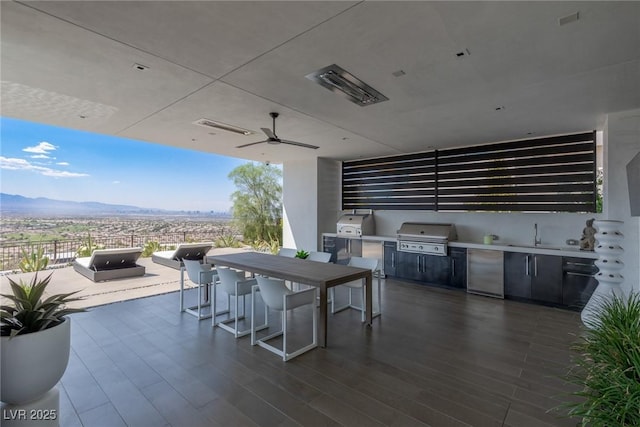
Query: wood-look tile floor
(435, 357)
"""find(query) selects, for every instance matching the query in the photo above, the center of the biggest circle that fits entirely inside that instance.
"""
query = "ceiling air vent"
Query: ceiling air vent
(219, 125)
(340, 81)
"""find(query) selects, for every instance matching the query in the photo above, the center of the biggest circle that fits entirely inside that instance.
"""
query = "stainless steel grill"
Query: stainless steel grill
(426, 238)
(356, 225)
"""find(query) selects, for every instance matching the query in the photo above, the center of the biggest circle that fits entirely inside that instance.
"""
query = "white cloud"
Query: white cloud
(40, 156)
(116, 182)
(22, 164)
(42, 148)
(62, 163)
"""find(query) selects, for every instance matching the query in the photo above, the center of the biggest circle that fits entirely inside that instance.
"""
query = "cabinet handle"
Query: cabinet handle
(526, 266)
(535, 266)
(393, 259)
(419, 263)
(570, 273)
(453, 266)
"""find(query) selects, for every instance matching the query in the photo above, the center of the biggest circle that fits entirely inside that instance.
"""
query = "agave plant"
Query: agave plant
(87, 247)
(31, 312)
(607, 366)
(302, 254)
(150, 247)
(33, 260)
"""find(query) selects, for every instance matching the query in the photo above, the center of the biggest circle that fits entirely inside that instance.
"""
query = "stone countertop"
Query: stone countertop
(569, 251)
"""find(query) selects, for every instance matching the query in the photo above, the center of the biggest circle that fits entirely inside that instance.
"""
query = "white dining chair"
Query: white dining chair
(371, 264)
(287, 252)
(277, 296)
(203, 276)
(319, 256)
(235, 284)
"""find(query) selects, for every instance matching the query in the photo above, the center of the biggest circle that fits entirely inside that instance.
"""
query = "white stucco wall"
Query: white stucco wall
(311, 200)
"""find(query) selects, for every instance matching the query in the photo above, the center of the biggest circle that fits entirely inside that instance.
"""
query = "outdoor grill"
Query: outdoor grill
(425, 238)
(356, 225)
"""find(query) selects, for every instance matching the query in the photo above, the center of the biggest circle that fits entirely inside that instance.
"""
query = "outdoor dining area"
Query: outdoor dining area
(433, 356)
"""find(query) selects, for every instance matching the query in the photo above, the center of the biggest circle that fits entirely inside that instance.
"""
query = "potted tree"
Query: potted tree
(35, 338)
(606, 366)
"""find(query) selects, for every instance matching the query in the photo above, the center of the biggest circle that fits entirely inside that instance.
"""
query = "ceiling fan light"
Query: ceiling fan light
(339, 80)
(219, 125)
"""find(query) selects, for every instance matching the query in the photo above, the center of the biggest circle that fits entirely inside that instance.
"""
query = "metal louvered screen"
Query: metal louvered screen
(400, 182)
(555, 174)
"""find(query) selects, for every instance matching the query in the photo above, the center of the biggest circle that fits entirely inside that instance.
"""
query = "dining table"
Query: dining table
(317, 274)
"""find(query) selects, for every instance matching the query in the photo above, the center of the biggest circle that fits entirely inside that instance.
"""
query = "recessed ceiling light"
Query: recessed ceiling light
(140, 67)
(224, 126)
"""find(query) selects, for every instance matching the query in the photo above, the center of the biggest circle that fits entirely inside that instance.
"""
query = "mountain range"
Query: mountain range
(20, 205)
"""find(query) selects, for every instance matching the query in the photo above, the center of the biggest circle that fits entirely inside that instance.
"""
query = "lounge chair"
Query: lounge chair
(108, 264)
(174, 258)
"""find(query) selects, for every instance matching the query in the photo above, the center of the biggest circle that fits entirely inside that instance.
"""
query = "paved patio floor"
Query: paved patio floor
(157, 280)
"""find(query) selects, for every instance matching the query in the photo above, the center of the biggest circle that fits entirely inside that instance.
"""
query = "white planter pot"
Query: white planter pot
(32, 364)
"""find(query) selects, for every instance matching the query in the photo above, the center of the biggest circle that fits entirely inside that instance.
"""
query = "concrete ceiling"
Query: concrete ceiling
(522, 75)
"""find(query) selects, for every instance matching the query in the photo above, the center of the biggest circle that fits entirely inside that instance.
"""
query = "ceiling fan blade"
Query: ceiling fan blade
(250, 144)
(269, 133)
(299, 144)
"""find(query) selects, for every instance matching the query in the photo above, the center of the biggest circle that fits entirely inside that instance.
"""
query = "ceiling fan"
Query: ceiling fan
(273, 139)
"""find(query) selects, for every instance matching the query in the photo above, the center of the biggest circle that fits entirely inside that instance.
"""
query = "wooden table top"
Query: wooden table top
(312, 273)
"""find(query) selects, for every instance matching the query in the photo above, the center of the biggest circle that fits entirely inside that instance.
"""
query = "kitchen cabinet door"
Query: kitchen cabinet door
(546, 278)
(408, 265)
(458, 260)
(517, 276)
(390, 259)
(435, 270)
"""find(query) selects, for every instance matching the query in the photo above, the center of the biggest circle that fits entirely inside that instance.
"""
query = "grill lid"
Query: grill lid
(420, 231)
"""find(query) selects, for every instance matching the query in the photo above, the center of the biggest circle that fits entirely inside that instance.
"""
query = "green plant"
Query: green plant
(607, 366)
(150, 247)
(227, 241)
(31, 311)
(87, 248)
(302, 254)
(33, 260)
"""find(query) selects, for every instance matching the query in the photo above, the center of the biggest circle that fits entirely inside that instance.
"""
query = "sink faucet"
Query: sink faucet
(536, 240)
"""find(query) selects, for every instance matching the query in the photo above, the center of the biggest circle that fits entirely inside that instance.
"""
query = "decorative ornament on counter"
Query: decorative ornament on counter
(587, 242)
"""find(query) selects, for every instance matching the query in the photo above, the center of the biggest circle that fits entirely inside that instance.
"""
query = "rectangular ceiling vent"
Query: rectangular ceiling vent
(219, 125)
(340, 81)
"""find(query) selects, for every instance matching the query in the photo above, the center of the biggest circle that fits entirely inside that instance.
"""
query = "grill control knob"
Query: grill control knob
(420, 247)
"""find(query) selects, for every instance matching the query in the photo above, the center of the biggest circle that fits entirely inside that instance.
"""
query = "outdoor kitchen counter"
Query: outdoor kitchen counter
(569, 251)
(373, 238)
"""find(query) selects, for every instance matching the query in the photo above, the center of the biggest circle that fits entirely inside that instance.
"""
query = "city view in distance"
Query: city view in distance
(66, 186)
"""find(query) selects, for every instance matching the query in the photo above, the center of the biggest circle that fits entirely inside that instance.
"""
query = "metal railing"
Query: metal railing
(62, 251)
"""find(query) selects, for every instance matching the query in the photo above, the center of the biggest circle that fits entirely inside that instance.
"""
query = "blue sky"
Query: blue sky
(39, 160)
